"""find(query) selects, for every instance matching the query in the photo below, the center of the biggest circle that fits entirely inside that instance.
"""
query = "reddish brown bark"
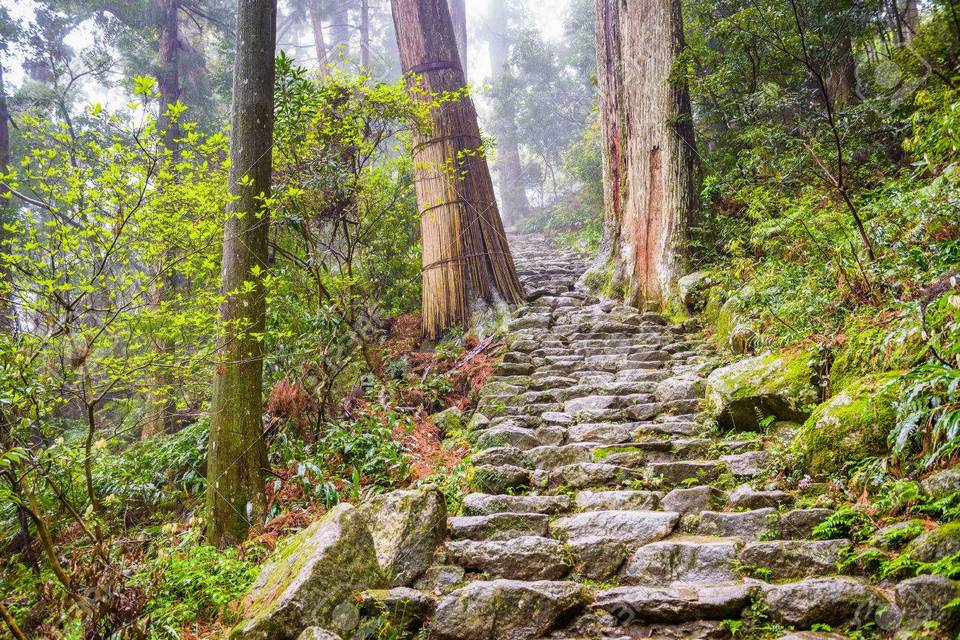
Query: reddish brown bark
(650, 194)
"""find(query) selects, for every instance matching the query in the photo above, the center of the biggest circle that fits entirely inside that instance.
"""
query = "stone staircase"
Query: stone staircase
(604, 507)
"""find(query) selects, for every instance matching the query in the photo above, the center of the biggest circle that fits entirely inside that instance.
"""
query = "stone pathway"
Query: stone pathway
(603, 507)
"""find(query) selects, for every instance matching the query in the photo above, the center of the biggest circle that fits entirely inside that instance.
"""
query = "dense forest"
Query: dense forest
(264, 259)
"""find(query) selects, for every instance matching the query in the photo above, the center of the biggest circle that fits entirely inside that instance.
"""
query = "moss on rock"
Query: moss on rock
(744, 393)
(872, 350)
(850, 426)
(313, 573)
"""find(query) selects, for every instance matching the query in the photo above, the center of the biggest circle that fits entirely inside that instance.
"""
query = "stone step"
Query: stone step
(793, 559)
(498, 526)
(684, 559)
(590, 475)
(681, 603)
(671, 474)
(631, 528)
(486, 504)
(523, 558)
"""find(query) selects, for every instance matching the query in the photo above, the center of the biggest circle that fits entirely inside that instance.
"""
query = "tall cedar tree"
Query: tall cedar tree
(650, 193)
(466, 258)
(237, 456)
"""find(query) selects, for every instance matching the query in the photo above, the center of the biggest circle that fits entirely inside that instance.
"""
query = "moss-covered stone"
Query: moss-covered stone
(407, 527)
(743, 394)
(936, 545)
(716, 297)
(848, 427)
(874, 350)
(309, 576)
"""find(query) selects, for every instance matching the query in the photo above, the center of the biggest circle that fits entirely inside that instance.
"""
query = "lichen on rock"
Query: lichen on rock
(306, 579)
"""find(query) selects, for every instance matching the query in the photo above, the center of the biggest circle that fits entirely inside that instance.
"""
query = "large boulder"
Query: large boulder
(850, 426)
(308, 577)
(407, 527)
(742, 394)
(506, 609)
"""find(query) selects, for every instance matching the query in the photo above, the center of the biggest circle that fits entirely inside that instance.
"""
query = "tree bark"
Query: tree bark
(513, 193)
(466, 258)
(842, 75)
(316, 21)
(650, 193)
(458, 13)
(161, 407)
(237, 456)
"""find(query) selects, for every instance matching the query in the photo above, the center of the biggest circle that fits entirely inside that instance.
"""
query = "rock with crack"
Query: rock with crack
(407, 527)
(309, 576)
(507, 610)
(923, 602)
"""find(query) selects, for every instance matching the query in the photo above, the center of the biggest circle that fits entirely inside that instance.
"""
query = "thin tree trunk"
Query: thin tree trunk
(365, 34)
(237, 456)
(649, 155)
(458, 13)
(8, 317)
(161, 406)
(466, 258)
(513, 193)
(316, 21)
(340, 30)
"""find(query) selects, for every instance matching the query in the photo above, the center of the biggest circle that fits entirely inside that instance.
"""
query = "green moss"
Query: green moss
(875, 350)
(743, 394)
(849, 427)
(725, 322)
(715, 299)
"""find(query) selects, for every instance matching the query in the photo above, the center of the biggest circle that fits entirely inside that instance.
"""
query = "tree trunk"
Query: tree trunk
(513, 193)
(365, 34)
(458, 13)
(842, 76)
(8, 319)
(911, 19)
(161, 406)
(237, 456)
(466, 258)
(316, 21)
(340, 31)
(650, 193)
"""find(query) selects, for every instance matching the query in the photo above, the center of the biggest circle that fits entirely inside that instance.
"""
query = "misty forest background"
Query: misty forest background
(826, 138)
